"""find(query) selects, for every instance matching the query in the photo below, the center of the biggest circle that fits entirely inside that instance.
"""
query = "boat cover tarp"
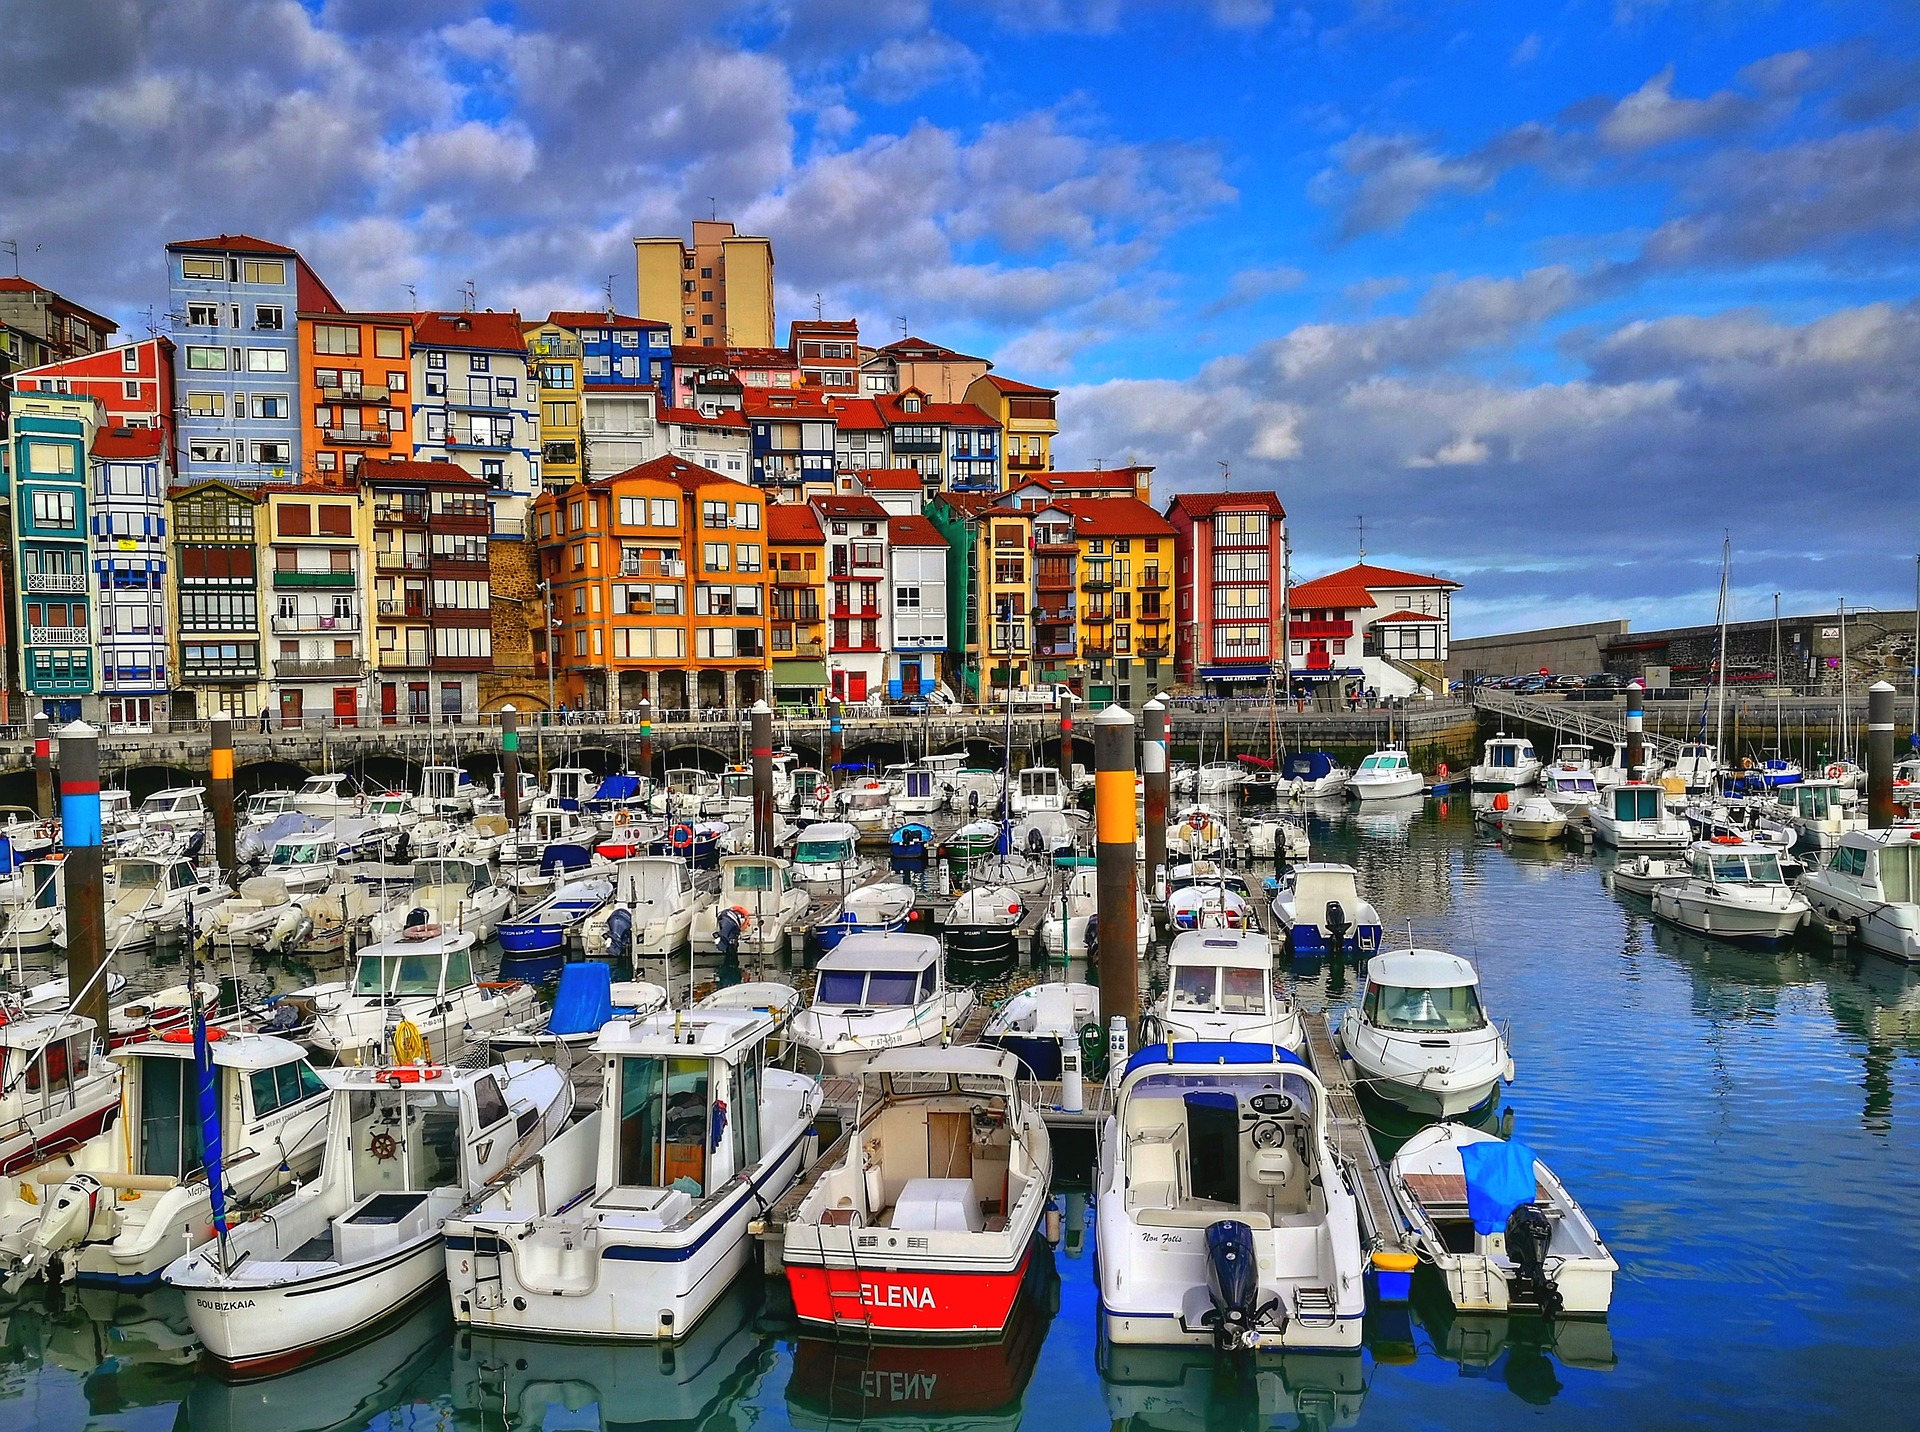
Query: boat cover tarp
(1308, 765)
(1212, 1051)
(584, 999)
(618, 788)
(1499, 1179)
(565, 855)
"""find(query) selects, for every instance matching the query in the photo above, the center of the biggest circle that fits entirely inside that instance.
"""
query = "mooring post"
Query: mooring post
(834, 739)
(86, 886)
(510, 766)
(1066, 738)
(1880, 811)
(762, 778)
(1116, 866)
(43, 766)
(645, 710)
(1636, 719)
(1153, 764)
(220, 792)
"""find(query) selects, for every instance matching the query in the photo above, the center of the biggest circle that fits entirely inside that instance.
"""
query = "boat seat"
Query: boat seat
(938, 1205)
(1196, 1215)
(1442, 1190)
(384, 1221)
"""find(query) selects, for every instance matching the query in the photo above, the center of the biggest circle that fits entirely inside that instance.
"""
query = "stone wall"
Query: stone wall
(517, 614)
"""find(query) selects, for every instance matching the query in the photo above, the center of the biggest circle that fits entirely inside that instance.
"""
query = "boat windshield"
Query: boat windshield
(423, 1144)
(410, 974)
(737, 784)
(664, 1124)
(320, 786)
(867, 800)
(874, 987)
(1193, 986)
(388, 805)
(1228, 990)
(1450, 1009)
(822, 852)
(298, 852)
(1899, 868)
(750, 877)
(138, 875)
(1636, 803)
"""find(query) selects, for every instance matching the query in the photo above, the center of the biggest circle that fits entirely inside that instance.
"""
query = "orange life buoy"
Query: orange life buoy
(183, 1034)
(1728, 840)
(411, 1074)
(742, 913)
(1836, 771)
(1502, 801)
(1441, 770)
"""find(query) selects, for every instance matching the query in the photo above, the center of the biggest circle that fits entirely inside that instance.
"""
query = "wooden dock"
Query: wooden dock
(1352, 1142)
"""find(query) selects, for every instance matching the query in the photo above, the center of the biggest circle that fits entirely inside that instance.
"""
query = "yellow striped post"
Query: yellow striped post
(220, 792)
(1116, 869)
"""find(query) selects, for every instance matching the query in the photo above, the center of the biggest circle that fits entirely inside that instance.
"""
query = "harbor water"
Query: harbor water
(1743, 1127)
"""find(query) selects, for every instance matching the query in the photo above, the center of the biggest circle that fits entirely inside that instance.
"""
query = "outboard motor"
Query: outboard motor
(727, 926)
(620, 933)
(285, 1019)
(973, 805)
(1528, 1234)
(1233, 1283)
(1036, 842)
(1337, 927)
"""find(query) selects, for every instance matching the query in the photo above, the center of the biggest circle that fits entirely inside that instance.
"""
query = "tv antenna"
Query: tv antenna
(901, 319)
(1361, 523)
(819, 309)
(413, 295)
(609, 292)
(1226, 474)
(469, 295)
(12, 246)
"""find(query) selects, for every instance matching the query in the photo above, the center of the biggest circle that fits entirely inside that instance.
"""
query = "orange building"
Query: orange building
(797, 544)
(355, 400)
(658, 584)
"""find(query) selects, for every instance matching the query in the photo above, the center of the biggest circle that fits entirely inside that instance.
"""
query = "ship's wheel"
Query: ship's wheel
(382, 1147)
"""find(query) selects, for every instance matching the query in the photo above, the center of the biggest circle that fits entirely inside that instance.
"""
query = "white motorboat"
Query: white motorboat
(448, 790)
(946, 1152)
(1817, 813)
(685, 792)
(121, 1207)
(878, 992)
(254, 917)
(1040, 1021)
(1310, 774)
(1279, 838)
(1506, 763)
(651, 913)
(826, 857)
(867, 806)
(1385, 775)
(1533, 818)
(1419, 1036)
(880, 907)
(151, 898)
(1216, 778)
(181, 810)
(36, 910)
(632, 1223)
(1222, 1215)
(56, 1090)
(1643, 874)
(1203, 906)
(1572, 758)
(265, 807)
(1041, 788)
(1071, 929)
(452, 894)
(982, 929)
(329, 795)
(1871, 884)
(1572, 793)
(755, 911)
(1733, 889)
(1318, 911)
(1633, 818)
(1221, 985)
(1026, 872)
(305, 862)
(1697, 765)
(1196, 831)
(1543, 1255)
(423, 978)
(406, 1147)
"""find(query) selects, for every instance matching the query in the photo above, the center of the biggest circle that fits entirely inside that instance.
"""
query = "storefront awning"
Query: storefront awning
(1235, 673)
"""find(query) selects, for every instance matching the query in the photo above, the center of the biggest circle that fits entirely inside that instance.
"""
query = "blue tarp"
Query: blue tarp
(1213, 1051)
(1499, 1180)
(1308, 765)
(584, 999)
(565, 855)
(618, 788)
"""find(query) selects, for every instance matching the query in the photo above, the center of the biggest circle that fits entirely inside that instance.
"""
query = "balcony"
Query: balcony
(795, 579)
(1095, 649)
(1096, 618)
(856, 646)
(1153, 581)
(1053, 616)
(1027, 462)
(473, 444)
(412, 611)
(840, 609)
(191, 671)
(365, 393)
(314, 579)
(1053, 539)
(310, 622)
(59, 584)
(39, 636)
(1054, 581)
(1154, 649)
(1303, 631)
(397, 514)
(1097, 584)
(469, 404)
(800, 651)
(1057, 649)
(330, 668)
(555, 347)
(400, 561)
(360, 437)
(654, 567)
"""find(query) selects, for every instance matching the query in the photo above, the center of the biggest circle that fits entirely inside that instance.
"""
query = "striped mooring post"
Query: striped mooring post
(1116, 867)
(762, 746)
(835, 748)
(645, 710)
(510, 766)
(220, 792)
(86, 886)
(1636, 719)
(43, 767)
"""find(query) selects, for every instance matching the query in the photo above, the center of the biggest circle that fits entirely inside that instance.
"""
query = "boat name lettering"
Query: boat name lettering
(899, 1386)
(214, 1307)
(895, 1295)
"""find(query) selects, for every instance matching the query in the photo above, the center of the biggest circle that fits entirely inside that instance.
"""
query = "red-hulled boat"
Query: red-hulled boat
(926, 1228)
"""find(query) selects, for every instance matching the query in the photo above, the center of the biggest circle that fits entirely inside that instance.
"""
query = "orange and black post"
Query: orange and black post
(86, 886)
(762, 778)
(1116, 867)
(220, 792)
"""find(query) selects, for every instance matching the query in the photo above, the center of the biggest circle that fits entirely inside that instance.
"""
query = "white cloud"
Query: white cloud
(905, 67)
(1653, 115)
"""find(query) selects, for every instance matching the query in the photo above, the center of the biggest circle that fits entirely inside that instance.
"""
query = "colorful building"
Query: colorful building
(797, 556)
(1125, 629)
(134, 383)
(828, 352)
(553, 361)
(427, 525)
(132, 470)
(1230, 569)
(50, 440)
(916, 605)
(1375, 627)
(214, 600)
(476, 404)
(234, 301)
(913, 363)
(1027, 417)
(792, 434)
(716, 292)
(859, 623)
(39, 327)
(317, 576)
(357, 372)
(658, 584)
(720, 443)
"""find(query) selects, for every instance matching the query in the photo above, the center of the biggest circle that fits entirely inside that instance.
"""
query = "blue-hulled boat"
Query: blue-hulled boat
(534, 948)
(872, 909)
(909, 844)
(695, 841)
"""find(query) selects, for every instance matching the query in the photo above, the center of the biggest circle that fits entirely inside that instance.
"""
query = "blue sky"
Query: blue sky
(1553, 295)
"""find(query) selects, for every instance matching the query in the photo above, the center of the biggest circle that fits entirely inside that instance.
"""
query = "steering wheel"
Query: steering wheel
(1267, 1134)
(383, 1147)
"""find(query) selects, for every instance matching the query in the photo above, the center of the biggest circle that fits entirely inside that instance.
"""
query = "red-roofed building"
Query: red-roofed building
(916, 606)
(717, 441)
(898, 489)
(1374, 627)
(907, 363)
(1230, 550)
(954, 446)
(797, 548)
(476, 404)
(133, 382)
(1027, 418)
(828, 352)
(858, 630)
(1124, 629)
(37, 328)
(792, 436)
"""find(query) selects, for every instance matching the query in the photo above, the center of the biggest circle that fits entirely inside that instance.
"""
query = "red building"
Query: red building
(1230, 563)
(133, 382)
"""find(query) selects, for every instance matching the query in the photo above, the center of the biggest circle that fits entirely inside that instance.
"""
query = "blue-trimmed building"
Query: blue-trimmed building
(132, 468)
(619, 351)
(49, 441)
(234, 302)
(476, 404)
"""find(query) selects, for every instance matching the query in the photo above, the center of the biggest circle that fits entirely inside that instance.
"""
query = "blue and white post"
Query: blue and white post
(1636, 719)
(86, 886)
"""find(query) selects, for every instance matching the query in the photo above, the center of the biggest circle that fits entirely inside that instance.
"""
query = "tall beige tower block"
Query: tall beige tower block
(716, 292)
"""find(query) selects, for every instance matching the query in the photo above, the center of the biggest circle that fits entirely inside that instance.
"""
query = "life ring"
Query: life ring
(1836, 772)
(623, 817)
(681, 836)
(1441, 770)
(409, 1044)
(410, 1074)
(1746, 763)
(182, 1034)
(1728, 840)
(743, 915)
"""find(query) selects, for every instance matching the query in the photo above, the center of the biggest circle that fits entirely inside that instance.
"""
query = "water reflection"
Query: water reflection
(1156, 1389)
(124, 1351)
(1524, 1353)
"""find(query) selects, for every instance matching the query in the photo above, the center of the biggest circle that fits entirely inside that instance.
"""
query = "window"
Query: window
(264, 271)
(273, 454)
(202, 268)
(275, 1089)
(388, 342)
(336, 519)
(294, 519)
(52, 509)
(269, 317)
(505, 387)
(464, 642)
(437, 361)
(206, 405)
(336, 338)
(204, 450)
(747, 557)
(746, 516)
(906, 599)
(714, 557)
(206, 360)
(713, 514)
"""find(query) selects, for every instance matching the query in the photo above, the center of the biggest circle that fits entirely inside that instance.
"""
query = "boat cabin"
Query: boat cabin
(1422, 992)
(1207, 872)
(45, 882)
(684, 1099)
(568, 786)
(394, 804)
(415, 965)
(183, 804)
(260, 1076)
(1507, 752)
(55, 1090)
(1735, 864)
(1042, 789)
(736, 786)
(132, 873)
(933, 1119)
(1320, 885)
(304, 850)
(1885, 863)
(656, 882)
(743, 877)
(116, 807)
(265, 806)
(689, 784)
(1573, 755)
(825, 844)
(1816, 801)
(1385, 763)
(334, 786)
(878, 970)
(1568, 782)
(1638, 802)
(466, 875)
(806, 780)
(1220, 972)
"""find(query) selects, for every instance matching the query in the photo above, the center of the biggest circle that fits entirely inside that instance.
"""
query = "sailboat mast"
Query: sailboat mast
(1720, 710)
(1778, 747)
(1845, 742)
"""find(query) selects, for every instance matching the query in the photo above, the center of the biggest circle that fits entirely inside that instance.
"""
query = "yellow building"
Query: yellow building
(715, 293)
(1004, 578)
(553, 360)
(1028, 422)
(797, 553)
(1124, 629)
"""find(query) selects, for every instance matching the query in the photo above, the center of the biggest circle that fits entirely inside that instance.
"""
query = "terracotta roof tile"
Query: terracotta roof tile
(1205, 504)
(1114, 517)
(687, 476)
(913, 532)
(890, 479)
(1014, 385)
(794, 522)
(234, 244)
(855, 505)
(128, 443)
(587, 318)
(496, 331)
(693, 417)
(1408, 617)
(397, 469)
